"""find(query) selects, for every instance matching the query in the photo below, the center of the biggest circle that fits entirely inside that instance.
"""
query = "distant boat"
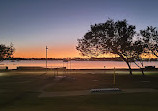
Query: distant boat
(65, 60)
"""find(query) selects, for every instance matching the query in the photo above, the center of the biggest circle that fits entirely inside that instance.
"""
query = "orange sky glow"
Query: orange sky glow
(57, 52)
(53, 52)
(32, 24)
(65, 51)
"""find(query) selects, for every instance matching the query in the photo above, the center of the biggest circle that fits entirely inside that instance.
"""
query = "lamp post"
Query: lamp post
(114, 81)
(46, 58)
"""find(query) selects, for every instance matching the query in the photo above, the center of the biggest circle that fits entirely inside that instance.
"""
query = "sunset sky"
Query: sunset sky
(32, 24)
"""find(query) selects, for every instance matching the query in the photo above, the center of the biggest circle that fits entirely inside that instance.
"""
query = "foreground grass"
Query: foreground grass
(90, 81)
(104, 102)
(19, 92)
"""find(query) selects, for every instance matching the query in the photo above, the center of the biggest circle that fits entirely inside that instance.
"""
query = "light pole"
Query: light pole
(114, 81)
(46, 57)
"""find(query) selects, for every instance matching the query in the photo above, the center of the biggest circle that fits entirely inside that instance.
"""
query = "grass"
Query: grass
(90, 81)
(19, 92)
(104, 102)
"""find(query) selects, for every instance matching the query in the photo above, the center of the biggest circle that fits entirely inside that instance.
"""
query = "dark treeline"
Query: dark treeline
(80, 59)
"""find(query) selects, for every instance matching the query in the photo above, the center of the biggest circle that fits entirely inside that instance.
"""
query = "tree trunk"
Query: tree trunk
(127, 62)
(142, 71)
(130, 70)
(141, 68)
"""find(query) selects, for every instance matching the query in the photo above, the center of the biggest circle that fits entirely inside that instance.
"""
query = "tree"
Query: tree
(150, 37)
(6, 51)
(109, 37)
(137, 51)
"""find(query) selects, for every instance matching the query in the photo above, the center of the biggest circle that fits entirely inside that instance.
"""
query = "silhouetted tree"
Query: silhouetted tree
(109, 37)
(6, 51)
(137, 51)
(150, 37)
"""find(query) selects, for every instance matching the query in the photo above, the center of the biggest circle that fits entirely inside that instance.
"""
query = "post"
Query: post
(46, 58)
(104, 69)
(114, 82)
(67, 66)
(70, 63)
(70, 66)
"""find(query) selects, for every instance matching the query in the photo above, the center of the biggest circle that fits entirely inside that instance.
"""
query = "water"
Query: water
(73, 64)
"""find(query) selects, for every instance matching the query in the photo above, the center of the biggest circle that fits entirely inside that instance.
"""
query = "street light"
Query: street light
(46, 57)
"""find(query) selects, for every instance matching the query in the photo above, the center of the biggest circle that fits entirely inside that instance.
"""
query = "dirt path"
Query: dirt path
(87, 92)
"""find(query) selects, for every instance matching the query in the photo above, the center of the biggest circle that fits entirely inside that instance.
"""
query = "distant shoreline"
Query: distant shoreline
(101, 69)
(98, 59)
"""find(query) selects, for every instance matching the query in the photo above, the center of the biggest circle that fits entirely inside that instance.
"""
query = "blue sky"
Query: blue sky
(32, 24)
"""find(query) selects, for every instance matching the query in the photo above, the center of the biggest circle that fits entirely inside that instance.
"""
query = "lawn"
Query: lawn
(19, 92)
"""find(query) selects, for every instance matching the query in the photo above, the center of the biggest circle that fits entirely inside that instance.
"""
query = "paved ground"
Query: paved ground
(139, 90)
(87, 92)
(65, 93)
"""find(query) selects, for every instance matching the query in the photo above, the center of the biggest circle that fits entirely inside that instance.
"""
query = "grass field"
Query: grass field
(19, 92)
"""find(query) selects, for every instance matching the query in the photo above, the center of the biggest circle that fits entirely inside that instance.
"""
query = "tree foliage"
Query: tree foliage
(111, 37)
(150, 38)
(6, 51)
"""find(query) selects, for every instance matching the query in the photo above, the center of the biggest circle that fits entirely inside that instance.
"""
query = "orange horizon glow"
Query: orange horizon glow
(59, 54)
(56, 52)
(38, 52)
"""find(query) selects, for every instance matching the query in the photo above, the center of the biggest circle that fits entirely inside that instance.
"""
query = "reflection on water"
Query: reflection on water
(73, 64)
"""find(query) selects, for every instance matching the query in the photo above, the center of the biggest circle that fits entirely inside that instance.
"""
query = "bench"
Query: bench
(149, 67)
(105, 90)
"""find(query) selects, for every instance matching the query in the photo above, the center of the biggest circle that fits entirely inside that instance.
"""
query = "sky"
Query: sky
(31, 25)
